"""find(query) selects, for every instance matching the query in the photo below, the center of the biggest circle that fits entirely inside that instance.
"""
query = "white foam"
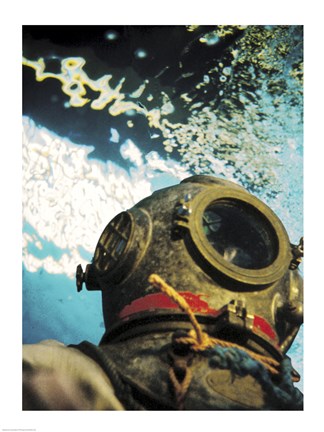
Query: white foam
(68, 199)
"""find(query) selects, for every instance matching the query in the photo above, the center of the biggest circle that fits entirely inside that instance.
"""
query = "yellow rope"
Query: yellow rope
(199, 340)
(180, 387)
(158, 282)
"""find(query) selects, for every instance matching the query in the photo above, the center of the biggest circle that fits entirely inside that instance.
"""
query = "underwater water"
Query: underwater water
(111, 114)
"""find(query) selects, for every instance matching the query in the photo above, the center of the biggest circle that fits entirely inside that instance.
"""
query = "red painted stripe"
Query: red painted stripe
(262, 325)
(162, 301)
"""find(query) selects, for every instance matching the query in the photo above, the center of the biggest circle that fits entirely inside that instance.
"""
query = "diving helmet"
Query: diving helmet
(221, 248)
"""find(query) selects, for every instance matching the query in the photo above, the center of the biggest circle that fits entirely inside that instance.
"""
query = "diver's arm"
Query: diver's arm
(56, 377)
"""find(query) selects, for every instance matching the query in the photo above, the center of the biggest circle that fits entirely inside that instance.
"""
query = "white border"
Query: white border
(14, 16)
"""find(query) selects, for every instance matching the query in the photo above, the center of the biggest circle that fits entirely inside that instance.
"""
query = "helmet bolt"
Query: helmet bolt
(80, 277)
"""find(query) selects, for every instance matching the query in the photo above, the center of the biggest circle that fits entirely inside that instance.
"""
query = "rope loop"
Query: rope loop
(228, 355)
(181, 382)
(200, 341)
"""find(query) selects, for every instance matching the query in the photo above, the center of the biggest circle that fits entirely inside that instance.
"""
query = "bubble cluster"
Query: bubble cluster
(253, 111)
(75, 80)
(241, 115)
(245, 115)
(68, 199)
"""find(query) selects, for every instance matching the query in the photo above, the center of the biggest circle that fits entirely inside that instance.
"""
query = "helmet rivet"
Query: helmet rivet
(183, 210)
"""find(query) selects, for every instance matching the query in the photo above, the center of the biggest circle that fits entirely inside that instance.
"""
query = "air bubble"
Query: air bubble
(209, 39)
(111, 35)
(227, 71)
(140, 53)
(130, 113)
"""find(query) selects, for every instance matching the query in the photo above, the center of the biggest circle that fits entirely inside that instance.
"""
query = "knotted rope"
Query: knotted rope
(222, 353)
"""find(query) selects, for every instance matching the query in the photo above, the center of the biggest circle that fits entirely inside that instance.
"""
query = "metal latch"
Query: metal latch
(298, 253)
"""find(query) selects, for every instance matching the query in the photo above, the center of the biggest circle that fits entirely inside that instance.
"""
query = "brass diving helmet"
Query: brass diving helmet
(220, 247)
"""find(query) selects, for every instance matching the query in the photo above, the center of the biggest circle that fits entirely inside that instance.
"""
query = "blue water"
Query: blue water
(52, 309)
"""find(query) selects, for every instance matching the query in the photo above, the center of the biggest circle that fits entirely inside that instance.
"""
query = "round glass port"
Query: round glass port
(240, 233)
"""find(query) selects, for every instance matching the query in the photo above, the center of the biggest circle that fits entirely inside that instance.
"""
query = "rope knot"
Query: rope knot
(222, 353)
(198, 339)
